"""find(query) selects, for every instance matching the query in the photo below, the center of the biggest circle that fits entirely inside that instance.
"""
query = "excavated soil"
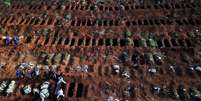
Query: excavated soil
(97, 35)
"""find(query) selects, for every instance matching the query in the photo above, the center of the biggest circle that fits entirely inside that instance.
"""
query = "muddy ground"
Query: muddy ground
(100, 36)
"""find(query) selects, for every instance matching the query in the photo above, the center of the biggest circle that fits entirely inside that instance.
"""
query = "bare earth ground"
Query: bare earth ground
(100, 82)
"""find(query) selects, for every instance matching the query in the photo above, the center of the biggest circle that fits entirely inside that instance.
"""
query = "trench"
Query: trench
(188, 42)
(151, 22)
(139, 22)
(66, 42)
(80, 90)
(22, 20)
(107, 42)
(12, 19)
(197, 22)
(136, 43)
(37, 40)
(177, 6)
(99, 23)
(32, 21)
(83, 22)
(179, 22)
(181, 42)
(162, 21)
(27, 21)
(185, 22)
(105, 23)
(60, 41)
(67, 7)
(134, 23)
(157, 22)
(123, 42)
(100, 42)
(72, 42)
(127, 8)
(36, 21)
(87, 42)
(111, 23)
(101, 8)
(73, 23)
(135, 58)
(46, 41)
(78, 23)
(167, 43)
(71, 89)
(115, 42)
(191, 21)
(54, 40)
(29, 39)
(93, 42)
(88, 22)
(106, 71)
(174, 42)
(128, 24)
(111, 42)
(43, 22)
(82, 8)
(80, 42)
(142, 60)
(49, 21)
(146, 22)
(167, 6)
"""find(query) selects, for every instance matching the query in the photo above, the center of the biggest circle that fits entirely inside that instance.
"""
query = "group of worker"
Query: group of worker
(33, 71)
(52, 74)
(60, 85)
(28, 70)
(59, 88)
(9, 40)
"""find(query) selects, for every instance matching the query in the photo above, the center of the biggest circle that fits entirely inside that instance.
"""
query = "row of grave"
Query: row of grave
(72, 89)
(192, 72)
(192, 93)
(25, 21)
(98, 22)
(78, 90)
(159, 43)
(129, 23)
(136, 58)
(110, 8)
